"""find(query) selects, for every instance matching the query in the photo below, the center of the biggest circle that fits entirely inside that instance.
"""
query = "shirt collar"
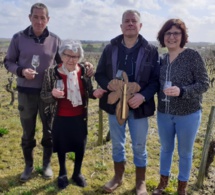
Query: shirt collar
(43, 35)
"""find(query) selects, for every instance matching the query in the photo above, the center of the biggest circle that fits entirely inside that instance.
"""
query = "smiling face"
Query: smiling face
(70, 59)
(39, 20)
(131, 25)
(172, 38)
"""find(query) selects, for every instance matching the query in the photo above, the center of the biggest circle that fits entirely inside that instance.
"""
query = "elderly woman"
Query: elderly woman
(67, 108)
(179, 102)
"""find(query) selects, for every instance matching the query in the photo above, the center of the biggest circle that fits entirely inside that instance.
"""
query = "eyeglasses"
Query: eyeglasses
(73, 57)
(175, 34)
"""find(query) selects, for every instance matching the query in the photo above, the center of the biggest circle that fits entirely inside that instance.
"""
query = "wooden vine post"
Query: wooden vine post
(208, 134)
(100, 133)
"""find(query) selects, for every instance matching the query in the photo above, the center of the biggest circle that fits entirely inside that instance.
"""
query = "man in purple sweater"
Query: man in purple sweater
(34, 40)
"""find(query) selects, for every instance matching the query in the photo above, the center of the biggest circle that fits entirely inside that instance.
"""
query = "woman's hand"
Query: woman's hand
(57, 93)
(98, 93)
(173, 91)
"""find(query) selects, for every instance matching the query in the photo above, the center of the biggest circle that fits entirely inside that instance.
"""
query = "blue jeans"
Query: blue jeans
(138, 131)
(185, 129)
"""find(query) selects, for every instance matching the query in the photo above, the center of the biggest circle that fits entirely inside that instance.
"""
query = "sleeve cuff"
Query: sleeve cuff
(181, 92)
(19, 72)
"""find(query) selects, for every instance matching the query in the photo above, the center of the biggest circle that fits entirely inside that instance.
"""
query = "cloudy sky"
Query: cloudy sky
(100, 19)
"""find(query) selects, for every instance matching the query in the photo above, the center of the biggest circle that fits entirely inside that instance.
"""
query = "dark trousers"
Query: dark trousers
(29, 106)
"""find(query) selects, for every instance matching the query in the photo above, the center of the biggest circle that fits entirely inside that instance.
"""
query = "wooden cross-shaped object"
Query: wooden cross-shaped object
(122, 92)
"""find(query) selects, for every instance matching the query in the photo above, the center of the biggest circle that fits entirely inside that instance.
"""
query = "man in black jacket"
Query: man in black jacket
(131, 53)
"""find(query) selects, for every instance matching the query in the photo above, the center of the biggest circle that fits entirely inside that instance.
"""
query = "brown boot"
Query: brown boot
(116, 181)
(161, 186)
(140, 181)
(182, 187)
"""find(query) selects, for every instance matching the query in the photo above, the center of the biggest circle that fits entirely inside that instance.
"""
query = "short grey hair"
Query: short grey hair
(39, 6)
(132, 12)
(73, 45)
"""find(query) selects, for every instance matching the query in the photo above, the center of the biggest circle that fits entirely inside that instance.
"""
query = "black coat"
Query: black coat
(146, 74)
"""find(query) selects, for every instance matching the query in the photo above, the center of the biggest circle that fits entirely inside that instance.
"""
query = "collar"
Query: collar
(118, 40)
(123, 43)
(29, 32)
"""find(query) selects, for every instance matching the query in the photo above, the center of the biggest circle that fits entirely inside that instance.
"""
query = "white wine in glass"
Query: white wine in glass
(167, 84)
(35, 62)
(60, 86)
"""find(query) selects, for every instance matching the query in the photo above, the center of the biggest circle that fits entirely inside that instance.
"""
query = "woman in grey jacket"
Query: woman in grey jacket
(179, 105)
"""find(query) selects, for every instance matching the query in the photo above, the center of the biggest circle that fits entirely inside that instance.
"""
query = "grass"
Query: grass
(3, 131)
(71, 156)
(97, 165)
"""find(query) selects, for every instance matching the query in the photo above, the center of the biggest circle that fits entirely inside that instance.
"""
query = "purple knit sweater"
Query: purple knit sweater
(19, 55)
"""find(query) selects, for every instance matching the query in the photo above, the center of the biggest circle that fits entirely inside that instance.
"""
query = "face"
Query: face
(172, 38)
(70, 58)
(131, 25)
(39, 20)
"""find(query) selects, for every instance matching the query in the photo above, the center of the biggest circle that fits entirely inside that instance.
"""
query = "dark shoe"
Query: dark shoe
(26, 174)
(79, 180)
(28, 156)
(182, 187)
(62, 182)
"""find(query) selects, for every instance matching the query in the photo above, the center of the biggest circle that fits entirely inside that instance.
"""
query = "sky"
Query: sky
(100, 19)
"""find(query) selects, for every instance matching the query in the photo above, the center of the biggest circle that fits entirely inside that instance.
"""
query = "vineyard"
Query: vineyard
(97, 165)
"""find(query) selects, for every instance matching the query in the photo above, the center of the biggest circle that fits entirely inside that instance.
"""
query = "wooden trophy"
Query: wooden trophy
(122, 92)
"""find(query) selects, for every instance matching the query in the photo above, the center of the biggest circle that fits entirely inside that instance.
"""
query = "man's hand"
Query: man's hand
(98, 93)
(110, 88)
(90, 69)
(28, 73)
(136, 100)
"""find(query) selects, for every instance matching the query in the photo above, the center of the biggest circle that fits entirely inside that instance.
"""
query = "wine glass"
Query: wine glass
(35, 62)
(167, 84)
(60, 85)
